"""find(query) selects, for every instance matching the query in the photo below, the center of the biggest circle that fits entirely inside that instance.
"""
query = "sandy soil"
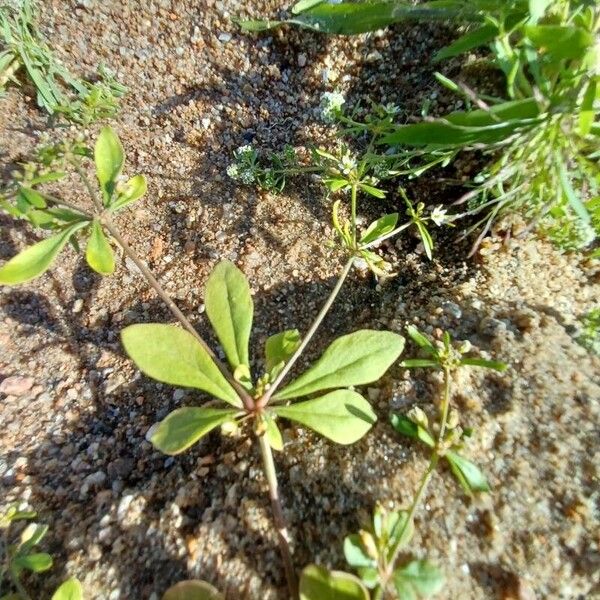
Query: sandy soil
(129, 521)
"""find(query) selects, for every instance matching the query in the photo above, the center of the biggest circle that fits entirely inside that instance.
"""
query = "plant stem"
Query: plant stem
(60, 201)
(433, 461)
(278, 518)
(353, 215)
(152, 281)
(262, 402)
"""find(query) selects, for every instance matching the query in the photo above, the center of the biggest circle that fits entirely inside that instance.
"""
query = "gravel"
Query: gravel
(129, 521)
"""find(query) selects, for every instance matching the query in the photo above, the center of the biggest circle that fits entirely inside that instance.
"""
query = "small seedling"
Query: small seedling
(20, 555)
(23, 49)
(170, 355)
(24, 199)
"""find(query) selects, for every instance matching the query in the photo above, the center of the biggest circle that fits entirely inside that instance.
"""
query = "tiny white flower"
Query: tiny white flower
(347, 163)
(439, 216)
(233, 171)
(244, 151)
(331, 103)
(247, 176)
(391, 109)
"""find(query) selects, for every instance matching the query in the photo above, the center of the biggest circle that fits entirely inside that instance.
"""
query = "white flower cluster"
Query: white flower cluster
(243, 169)
(331, 105)
(391, 109)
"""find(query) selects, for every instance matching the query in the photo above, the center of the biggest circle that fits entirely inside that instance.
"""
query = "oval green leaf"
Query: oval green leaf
(280, 347)
(36, 259)
(33, 197)
(109, 158)
(99, 254)
(355, 359)
(317, 583)
(193, 589)
(467, 473)
(37, 562)
(171, 355)
(185, 426)
(355, 552)
(229, 308)
(382, 226)
(69, 590)
(342, 416)
(418, 579)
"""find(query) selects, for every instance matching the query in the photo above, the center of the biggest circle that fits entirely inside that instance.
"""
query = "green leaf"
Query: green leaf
(418, 579)
(280, 347)
(229, 307)
(171, 355)
(560, 42)
(400, 531)
(421, 340)
(587, 113)
(573, 199)
(348, 18)
(273, 434)
(69, 590)
(468, 474)
(404, 426)
(99, 254)
(32, 197)
(35, 260)
(355, 359)
(486, 364)
(379, 228)
(131, 191)
(109, 158)
(342, 416)
(185, 426)
(32, 535)
(317, 583)
(355, 553)
(372, 191)
(37, 562)
(473, 39)
(193, 589)
(303, 5)
(415, 363)
(537, 9)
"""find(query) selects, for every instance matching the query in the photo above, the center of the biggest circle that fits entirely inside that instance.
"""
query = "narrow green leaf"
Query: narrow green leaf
(193, 589)
(379, 228)
(229, 308)
(35, 260)
(355, 553)
(99, 254)
(129, 192)
(185, 426)
(372, 191)
(280, 347)
(317, 583)
(400, 530)
(32, 197)
(473, 39)
(355, 359)
(418, 579)
(415, 363)
(37, 562)
(468, 474)
(342, 416)
(109, 159)
(565, 182)
(587, 113)
(421, 340)
(69, 590)
(303, 5)
(172, 355)
(486, 364)
(404, 426)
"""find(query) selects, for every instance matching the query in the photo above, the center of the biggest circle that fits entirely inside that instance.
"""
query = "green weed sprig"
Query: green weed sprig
(23, 49)
(20, 555)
